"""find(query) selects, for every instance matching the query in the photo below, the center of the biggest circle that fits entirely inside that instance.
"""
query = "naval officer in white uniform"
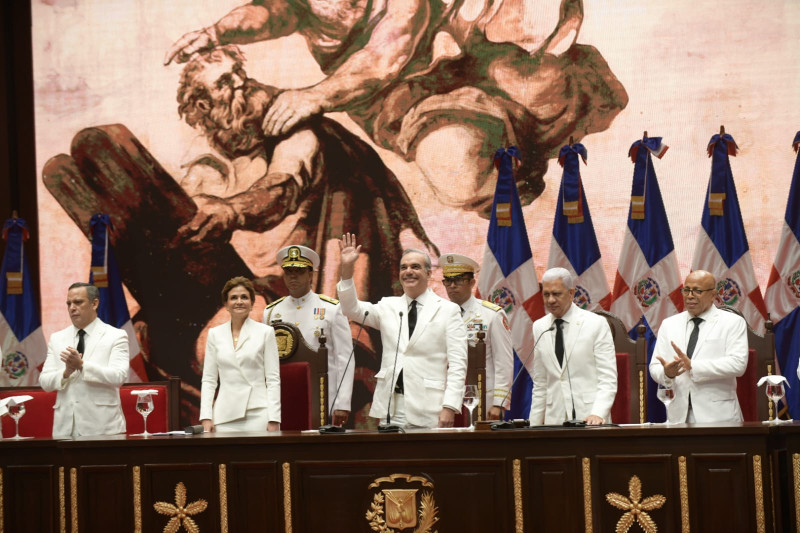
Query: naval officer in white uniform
(314, 314)
(480, 315)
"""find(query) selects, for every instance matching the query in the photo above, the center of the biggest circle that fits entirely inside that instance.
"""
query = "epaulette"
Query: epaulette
(276, 302)
(328, 299)
(490, 305)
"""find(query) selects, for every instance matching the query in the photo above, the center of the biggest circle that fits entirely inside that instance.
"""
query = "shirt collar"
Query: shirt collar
(89, 329)
(569, 316)
(422, 299)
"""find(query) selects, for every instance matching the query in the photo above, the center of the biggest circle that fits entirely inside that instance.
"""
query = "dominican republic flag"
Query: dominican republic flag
(648, 285)
(783, 292)
(574, 244)
(508, 275)
(22, 344)
(113, 309)
(722, 243)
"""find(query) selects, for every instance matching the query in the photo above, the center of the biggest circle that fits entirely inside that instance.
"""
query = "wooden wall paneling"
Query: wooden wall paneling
(715, 488)
(105, 493)
(551, 488)
(30, 498)
(255, 496)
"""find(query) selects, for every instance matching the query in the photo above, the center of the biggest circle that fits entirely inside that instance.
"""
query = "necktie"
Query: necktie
(693, 336)
(462, 311)
(412, 318)
(559, 341)
(81, 345)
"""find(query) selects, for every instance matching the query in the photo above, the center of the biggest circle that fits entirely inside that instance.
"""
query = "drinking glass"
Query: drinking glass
(16, 412)
(144, 406)
(471, 401)
(775, 393)
(666, 393)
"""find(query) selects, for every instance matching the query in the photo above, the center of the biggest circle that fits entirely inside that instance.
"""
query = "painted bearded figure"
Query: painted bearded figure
(428, 77)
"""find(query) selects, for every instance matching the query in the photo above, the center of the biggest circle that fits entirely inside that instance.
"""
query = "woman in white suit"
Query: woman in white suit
(242, 355)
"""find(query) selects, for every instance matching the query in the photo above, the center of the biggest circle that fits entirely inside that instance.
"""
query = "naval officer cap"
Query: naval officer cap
(298, 257)
(454, 265)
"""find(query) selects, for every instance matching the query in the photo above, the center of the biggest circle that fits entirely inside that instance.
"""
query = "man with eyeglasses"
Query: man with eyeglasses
(479, 315)
(701, 352)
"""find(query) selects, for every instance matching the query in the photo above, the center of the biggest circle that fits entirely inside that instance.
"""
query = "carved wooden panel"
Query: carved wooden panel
(657, 475)
(30, 495)
(716, 487)
(161, 484)
(552, 488)
(466, 495)
(255, 496)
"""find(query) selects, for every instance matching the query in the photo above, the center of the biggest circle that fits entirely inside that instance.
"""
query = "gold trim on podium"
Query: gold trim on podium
(223, 499)
(73, 498)
(62, 501)
(322, 401)
(759, 490)
(518, 496)
(2, 503)
(287, 498)
(587, 494)
(796, 476)
(137, 499)
(642, 417)
(684, 491)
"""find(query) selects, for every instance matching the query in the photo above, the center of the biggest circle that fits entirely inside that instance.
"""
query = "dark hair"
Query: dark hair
(92, 292)
(238, 281)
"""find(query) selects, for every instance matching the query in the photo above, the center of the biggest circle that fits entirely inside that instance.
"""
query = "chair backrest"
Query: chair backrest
(38, 419)
(476, 375)
(761, 362)
(630, 403)
(166, 406)
(304, 379)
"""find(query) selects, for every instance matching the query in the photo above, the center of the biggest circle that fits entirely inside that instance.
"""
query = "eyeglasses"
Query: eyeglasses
(449, 282)
(699, 292)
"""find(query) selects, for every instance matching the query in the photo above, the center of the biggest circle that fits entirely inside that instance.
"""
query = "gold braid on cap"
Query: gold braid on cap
(294, 258)
(451, 271)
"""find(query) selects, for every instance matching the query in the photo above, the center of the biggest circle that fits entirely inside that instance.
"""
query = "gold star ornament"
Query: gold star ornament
(635, 507)
(180, 513)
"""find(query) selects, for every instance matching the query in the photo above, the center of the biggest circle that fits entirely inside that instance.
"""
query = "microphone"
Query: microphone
(574, 423)
(388, 427)
(330, 428)
(525, 363)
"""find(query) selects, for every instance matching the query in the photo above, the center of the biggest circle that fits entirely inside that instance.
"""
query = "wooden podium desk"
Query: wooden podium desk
(700, 478)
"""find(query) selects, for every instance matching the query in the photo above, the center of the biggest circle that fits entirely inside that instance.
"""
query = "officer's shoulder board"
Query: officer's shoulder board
(276, 302)
(490, 305)
(328, 299)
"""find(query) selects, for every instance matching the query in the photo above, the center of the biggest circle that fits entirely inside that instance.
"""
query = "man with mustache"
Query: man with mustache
(424, 361)
(700, 353)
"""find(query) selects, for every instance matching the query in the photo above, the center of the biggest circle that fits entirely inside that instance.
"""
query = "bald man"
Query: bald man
(701, 352)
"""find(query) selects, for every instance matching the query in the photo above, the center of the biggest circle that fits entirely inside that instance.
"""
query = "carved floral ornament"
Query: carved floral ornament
(180, 513)
(394, 506)
(635, 508)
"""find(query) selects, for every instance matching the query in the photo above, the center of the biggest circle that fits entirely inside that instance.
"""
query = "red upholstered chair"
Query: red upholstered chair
(761, 362)
(630, 403)
(166, 406)
(304, 379)
(38, 419)
(476, 375)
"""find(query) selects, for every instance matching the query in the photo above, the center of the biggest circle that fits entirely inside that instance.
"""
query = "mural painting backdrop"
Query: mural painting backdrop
(216, 132)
